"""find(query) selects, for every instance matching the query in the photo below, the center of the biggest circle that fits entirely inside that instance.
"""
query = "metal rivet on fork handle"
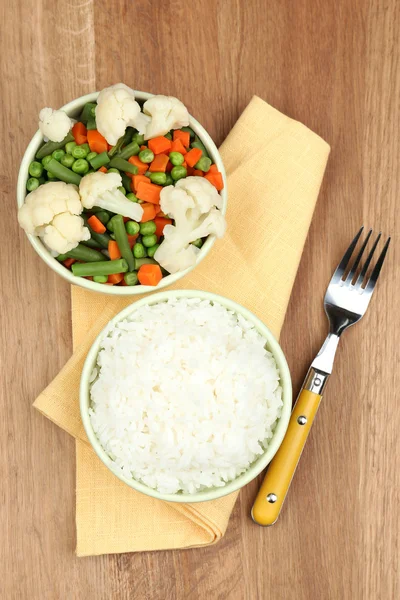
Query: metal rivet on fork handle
(302, 420)
(272, 498)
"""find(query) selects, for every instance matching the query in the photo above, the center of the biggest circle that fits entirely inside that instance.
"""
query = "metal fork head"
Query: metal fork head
(349, 291)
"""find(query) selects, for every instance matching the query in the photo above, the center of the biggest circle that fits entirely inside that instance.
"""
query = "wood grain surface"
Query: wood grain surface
(335, 67)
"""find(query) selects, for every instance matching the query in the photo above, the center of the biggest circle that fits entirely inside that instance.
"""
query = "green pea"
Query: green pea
(122, 190)
(148, 228)
(152, 250)
(169, 181)
(138, 138)
(112, 170)
(168, 135)
(110, 225)
(132, 227)
(67, 160)
(103, 216)
(80, 151)
(131, 197)
(32, 184)
(203, 164)
(42, 180)
(139, 251)
(176, 158)
(69, 147)
(178, 173)
(146, 156)
(46, 160)
(131, 278)
(100, 278)
(58, 154)
(91, 155)
(80, 166)
(35, 169)
(51, 177)
(149, 240)
(198, 243)
(158, 178)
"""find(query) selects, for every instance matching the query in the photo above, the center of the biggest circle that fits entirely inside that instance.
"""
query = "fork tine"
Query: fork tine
(377, 269)
(338, 274)
(351, 273)
(361, 276)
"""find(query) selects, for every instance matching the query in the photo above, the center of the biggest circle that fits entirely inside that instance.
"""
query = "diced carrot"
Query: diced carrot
(213, 169)
(116, 278)
(89, 277)
(149, 192)
(113, 250)
(183, 136)
(97, 142)
(160, 144)
(161, 222)
(169, 167)
(68, 262)
(123, 282)
(142, 167)
(103, 170)
(132, 239)
(193, 156)
(150, 275)
(143, 148)
(197, 173)
(109, 147)
(80, 133)
(161, 213)
(216, 180)
(126, 219)
(136, 179)
(190, 171)
(177, 146)
(184, 164)
(96, 224)
(149, 212)
(159, 163)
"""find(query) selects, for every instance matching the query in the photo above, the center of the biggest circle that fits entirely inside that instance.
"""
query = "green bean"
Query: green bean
(112, 170)
(168, 135)
(123, 165)
(190, 131)
(147, 174)
(131, 149)
(178, 173)
(198, 243)
(91, 243)
(69, 147)
(132, 227)
(91, 155)
(138, 138)
(35, 169)
(32, 184)
(176, 158)
(139, 251)
(101, 238)
(100, 278)
(93, 111)
(122, 190)
(148, 228)
(109, 267)
(149, 240)
(139, 262)
(131, 196)
(123, 141)
(62, 257)
(126, 181)
(110, 225)
(146, 156)
(100, 160)
(49, 147)
(80, 151)
(86, 254)
(199, 144)
(86, 113)
(91, 124)
(122, 241)
(169, 180)
(103, 216)
(152, 250)
(204, 164)
(46, 160)
(58, 154)
(51, 177)
(158, 178)
(63, 173)
(80, 166)
(67, 160)
(131, 278)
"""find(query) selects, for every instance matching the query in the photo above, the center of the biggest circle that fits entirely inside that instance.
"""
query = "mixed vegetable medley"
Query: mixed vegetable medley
(125, 195)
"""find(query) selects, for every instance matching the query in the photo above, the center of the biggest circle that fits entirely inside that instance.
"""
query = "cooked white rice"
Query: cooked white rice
(185, 396)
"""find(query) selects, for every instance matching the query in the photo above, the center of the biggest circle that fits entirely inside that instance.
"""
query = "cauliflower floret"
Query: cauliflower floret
(172, 254)
(101, 189)
(51, 212)
(117, 109)
(166, 113)
(54, 124)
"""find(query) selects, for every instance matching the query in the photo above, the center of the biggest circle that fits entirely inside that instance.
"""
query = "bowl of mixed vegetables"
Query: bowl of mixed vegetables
(122, 192)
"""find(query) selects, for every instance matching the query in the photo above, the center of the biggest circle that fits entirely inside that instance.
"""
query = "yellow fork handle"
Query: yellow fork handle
(280, 472)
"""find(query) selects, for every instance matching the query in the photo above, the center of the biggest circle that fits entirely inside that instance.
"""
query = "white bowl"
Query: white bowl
(73, 109)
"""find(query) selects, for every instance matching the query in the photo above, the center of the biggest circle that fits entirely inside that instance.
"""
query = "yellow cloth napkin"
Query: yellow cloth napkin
(275, 167)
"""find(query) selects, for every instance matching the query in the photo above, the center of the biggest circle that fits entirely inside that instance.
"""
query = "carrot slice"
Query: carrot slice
(193, 156)
(183, 136)
(197, 172)
(116, 278)
(149, 192)
(160, 144)
(68, 262)
(149, 212)
(160, 224)
(159, 163)
(132, 239)
(97, 142)
(143, 147)
(169, 167)
(79, 132)
(96, 224)
(216, 180)
(213, 169)
(136, 179)
(103, 170)
(113, 250)
(142, 167)
(150, 275)
(177, 146)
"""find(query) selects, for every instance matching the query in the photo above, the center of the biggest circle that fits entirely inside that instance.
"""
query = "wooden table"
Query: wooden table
(335, 67)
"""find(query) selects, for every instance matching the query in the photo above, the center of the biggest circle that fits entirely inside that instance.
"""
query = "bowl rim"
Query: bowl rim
(278, 433)
(29, 155)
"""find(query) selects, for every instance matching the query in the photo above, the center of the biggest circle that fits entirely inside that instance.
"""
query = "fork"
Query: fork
(346, 301)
